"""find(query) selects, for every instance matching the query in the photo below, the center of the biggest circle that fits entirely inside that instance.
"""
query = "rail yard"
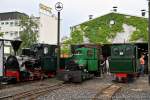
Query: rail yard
(102, 58)
(95, 89)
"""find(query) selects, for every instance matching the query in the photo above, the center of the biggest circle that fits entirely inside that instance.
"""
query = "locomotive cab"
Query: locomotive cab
(123, 61)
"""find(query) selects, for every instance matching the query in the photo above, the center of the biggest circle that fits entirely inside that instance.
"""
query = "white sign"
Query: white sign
(44, 8)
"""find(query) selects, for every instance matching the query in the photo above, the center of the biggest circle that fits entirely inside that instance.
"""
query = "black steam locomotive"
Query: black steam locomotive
(36, 62)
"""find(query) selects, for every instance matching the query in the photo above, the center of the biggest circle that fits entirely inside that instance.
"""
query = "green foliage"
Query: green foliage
(76, 37)
(65, 48)
(99, 30)
(141, 25)
(29, 34)
(1, 34)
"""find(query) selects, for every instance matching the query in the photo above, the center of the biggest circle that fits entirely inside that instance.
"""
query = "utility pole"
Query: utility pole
(149, 40)
(58, 7)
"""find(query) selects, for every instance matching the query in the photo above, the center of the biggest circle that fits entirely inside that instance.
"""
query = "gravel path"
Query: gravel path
(138, 90)
(14, 89)
(84, 91)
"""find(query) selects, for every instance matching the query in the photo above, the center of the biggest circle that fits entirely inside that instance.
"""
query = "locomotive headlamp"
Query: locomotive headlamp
(121, 53)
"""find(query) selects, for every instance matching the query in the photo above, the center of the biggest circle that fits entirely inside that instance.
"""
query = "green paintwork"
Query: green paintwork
(87, 57)
(92, 65)
(123, 58)
(48, 64)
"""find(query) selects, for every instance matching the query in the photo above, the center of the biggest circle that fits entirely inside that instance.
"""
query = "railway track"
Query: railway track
(107, 92)
(33, 94)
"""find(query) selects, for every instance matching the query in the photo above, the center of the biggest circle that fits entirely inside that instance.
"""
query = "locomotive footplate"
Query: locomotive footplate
(8, 80)
(73, 76)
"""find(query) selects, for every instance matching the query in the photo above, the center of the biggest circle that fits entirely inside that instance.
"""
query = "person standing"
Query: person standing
(102, 64)
(142, 62)
(107, 66)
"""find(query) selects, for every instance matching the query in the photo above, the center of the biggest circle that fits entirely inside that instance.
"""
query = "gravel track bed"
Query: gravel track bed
(14, 89)
(138, 90)
(84, 91)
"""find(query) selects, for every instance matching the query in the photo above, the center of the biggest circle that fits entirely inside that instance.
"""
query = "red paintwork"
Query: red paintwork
(121, 75)
(51, 74)
(13, 74)
(61, 69)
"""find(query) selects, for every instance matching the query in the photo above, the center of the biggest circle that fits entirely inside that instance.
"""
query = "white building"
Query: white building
(47, 31)
(48, 26)
(9, 24)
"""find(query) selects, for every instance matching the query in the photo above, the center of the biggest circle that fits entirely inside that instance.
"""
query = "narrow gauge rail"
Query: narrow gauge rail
(107, 92)
(33, 94)
(4, 86)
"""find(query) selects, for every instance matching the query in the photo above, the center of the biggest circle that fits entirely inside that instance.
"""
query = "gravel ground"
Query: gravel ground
(14, 89)
(138, 90)
(84, 91)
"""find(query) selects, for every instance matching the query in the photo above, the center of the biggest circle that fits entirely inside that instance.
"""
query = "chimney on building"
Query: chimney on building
(90, 17)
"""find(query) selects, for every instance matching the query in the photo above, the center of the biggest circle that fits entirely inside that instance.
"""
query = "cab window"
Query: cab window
(77, 52)
(128, 51)
(90, 53)
(115, 51)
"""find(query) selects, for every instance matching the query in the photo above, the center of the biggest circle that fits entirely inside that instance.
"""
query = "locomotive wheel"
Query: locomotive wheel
(117, 79)
(66, 77)
(124, 80)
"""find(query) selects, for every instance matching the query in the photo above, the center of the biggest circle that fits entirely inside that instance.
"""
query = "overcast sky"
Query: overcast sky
(75, 11)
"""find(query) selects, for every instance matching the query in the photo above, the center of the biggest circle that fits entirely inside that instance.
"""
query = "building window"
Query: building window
(2, 23)
(16, 33)
(16, 23)
(11, 23)
(11, 34)
(6, 42)
(6, 23)
(6, 33)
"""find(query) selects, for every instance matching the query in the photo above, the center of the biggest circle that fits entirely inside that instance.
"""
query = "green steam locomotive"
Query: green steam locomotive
(84, 64)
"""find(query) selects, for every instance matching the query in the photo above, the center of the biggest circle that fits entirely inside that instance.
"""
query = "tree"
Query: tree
(29, 32)
(1, 34)
(76, 37)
